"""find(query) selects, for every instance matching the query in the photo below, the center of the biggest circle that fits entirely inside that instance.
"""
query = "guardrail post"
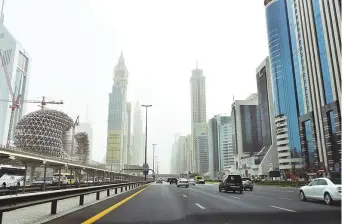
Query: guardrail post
(82, 199)
(53, 207)
(116, 191)
(108, 193)
(98, 195)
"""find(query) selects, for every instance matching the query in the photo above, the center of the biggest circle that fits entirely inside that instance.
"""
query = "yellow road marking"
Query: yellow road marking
(105, 212)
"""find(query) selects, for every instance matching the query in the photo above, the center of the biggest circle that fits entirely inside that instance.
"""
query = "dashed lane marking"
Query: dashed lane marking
(285, 209)
(200, 206)
(185, 196)
(234, 197)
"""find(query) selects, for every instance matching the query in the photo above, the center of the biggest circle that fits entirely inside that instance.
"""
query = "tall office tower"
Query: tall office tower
(318, 37)
(214, 158)
(225, 143)
(117, 116)
(17, 62)
(138, 137)
(182, 153)
(202, 145)
(86, 127)
(128, 134)
(188, 153)
(286, 81)
(246, 120)
(175, 163)
(268, 153)
(198, 109)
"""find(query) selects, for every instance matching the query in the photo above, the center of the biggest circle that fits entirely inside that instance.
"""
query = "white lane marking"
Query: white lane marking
(285, 209)
(234, 197)
(200, 206)
(285, 198)
(185, 196)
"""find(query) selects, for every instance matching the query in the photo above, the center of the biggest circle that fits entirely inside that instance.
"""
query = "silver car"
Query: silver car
(247, 183)
(183, 182)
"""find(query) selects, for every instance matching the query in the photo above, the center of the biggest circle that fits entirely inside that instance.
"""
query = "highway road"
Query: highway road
(164, 203)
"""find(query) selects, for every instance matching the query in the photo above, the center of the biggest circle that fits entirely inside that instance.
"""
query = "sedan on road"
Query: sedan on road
(183, 182)
(247, 183)
(159, 181)
(192, 182)
(322, 189)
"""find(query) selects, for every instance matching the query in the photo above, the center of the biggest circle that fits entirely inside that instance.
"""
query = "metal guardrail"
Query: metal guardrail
(29, 189)
(26, 200)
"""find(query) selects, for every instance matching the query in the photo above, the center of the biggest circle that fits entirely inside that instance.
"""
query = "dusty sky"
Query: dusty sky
(75, 44)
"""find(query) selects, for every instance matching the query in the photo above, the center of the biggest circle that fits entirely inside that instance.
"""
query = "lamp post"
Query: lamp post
(154, 146)
(146, 106)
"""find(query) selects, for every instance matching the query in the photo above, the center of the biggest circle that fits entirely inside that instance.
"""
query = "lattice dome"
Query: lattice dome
(82, 148)
(43, 132)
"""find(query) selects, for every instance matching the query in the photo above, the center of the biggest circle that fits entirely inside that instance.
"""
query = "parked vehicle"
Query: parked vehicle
(11, 180)
(322, 189)
(231, 183)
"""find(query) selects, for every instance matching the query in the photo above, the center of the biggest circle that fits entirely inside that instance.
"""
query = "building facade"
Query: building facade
(138, 143)
(198, 110)
(214, 158)
(202, 145)
(318, 37)
(86, 127)
(17, 63)
(225, 138)
(117, 117)
(128, 134)
(286, 82)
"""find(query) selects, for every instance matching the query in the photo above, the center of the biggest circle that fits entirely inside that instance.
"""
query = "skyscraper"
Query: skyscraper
(128, 134)
(17, 62)
(318, 37)
(198, 110)
(268, 153)
(138, 143)
(213, 150)
(286, 82)
(225, 142)
(117, 116)
(86, 127)
(202, 153)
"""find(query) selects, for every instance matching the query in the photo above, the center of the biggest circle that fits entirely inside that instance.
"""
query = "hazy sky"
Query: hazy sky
(75, 44)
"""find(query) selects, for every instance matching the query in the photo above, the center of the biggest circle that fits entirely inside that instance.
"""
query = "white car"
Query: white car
(192, 182)
(322, 189)
(183, 182)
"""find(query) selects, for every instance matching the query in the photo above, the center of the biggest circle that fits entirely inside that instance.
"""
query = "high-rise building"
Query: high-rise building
(189, 159)
(213, 150)
(128, 134)
(138, 137)
(17, 62)
(175, 163)
(225, 142)
(117, 117)
(245, 115)
(286, 82)
(198, 110)
(182, 153)
(318, 40)
(202, 145)
(267, 156)
(86, 127)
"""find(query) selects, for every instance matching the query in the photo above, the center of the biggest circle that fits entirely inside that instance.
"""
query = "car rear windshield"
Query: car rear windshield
(234, 178)
(336, 180)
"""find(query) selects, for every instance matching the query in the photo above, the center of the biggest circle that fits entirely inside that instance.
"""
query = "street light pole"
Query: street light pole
(146, 106)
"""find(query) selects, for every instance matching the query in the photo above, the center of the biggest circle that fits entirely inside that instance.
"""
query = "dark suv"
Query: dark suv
(173, 181)
(231, 183)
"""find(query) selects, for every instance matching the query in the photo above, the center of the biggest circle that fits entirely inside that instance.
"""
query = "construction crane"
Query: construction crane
(16, 105)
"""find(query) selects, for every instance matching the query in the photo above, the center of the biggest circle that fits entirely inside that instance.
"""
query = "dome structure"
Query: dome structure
(43, 132)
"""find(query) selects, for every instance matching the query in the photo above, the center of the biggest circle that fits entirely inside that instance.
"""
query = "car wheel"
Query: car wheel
(302, 196)
(327, 199)
(219, 189)
(251, 189)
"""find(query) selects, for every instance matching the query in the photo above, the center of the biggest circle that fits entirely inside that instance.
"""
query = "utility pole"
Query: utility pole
(146, 106)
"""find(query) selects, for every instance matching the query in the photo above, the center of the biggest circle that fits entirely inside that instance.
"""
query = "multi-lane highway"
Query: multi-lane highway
(164, 203)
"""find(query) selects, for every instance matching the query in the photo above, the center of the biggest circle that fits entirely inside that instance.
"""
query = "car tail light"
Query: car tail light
(339, 189)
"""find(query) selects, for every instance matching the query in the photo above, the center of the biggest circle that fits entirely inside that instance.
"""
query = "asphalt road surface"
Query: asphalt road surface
(164, 203)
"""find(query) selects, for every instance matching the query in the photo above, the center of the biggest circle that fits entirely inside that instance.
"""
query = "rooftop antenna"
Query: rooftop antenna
(2, 12)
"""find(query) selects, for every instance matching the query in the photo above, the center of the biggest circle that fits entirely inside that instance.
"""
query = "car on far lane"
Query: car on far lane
(247, 183)
(322, 189)
(173, 181)
(192, 182)
(231, 183)
(159, 180)
(183, 182)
